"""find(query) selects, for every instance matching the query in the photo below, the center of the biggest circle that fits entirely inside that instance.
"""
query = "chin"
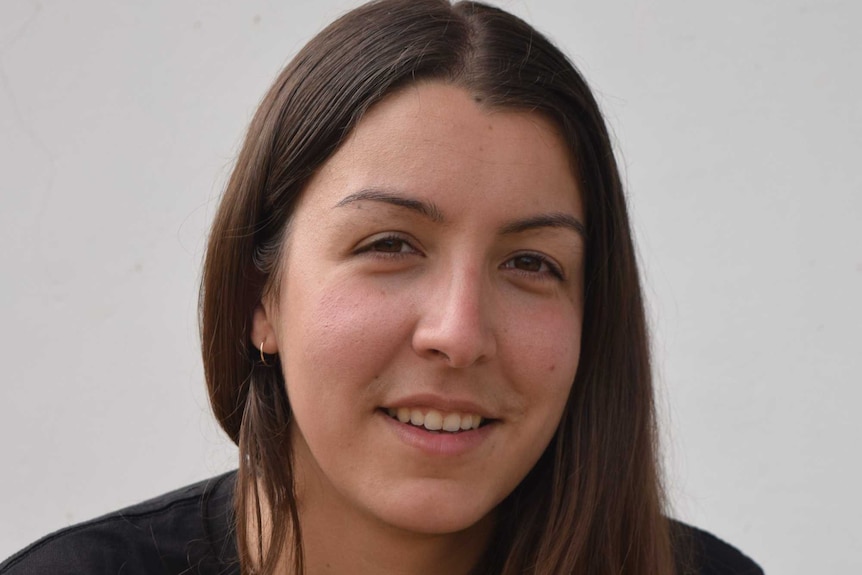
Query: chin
(436, 512)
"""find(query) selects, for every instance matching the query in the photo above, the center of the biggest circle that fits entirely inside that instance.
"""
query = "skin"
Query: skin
(434, 258)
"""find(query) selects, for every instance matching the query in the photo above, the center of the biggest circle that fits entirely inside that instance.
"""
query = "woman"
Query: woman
(422, 325)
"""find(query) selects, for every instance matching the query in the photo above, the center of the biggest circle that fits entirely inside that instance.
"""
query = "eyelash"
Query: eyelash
(370, 247)
(553, 271)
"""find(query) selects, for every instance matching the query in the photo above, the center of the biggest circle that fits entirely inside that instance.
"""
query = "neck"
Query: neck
(337, 540)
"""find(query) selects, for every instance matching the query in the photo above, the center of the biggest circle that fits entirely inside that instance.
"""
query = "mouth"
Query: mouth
(436, 421)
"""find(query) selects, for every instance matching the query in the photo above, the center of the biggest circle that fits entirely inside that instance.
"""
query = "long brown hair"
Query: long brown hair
(593, 503)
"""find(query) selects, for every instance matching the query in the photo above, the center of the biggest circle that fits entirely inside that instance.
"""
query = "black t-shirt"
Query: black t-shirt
(190, 532)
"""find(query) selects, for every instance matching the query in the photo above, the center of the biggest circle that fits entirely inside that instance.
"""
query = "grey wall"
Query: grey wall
(740, 131)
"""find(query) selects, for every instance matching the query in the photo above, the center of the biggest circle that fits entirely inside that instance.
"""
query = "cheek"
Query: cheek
(548, 338)
(541, 352)
(339, 339)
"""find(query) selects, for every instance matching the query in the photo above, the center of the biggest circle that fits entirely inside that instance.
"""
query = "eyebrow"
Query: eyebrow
(554, 220)
(427, 209)
(432, 212)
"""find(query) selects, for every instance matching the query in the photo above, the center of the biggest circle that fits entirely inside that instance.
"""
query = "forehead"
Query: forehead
(434, 138)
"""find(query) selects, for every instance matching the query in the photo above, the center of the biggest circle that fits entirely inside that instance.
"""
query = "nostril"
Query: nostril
(441, 354)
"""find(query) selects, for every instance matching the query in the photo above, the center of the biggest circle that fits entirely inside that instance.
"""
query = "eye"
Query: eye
(390, 245)
(532, 264)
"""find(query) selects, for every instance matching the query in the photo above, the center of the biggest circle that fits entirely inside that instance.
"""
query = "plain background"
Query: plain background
(740, 133)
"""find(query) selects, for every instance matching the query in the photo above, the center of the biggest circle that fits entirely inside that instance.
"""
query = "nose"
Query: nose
(455, 323)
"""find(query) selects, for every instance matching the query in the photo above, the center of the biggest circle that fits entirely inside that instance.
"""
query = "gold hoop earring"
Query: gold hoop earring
(262, 358)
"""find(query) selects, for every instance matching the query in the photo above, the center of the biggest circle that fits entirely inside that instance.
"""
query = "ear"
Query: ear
(263, 331)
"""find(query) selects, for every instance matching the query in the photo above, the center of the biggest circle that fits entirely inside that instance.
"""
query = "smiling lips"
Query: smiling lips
(434, 420)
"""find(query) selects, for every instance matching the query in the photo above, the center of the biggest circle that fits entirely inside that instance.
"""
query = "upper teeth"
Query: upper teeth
(434, 420)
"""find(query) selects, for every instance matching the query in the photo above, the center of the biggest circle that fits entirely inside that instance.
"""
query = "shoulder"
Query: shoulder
(185, 531)
(701, 553)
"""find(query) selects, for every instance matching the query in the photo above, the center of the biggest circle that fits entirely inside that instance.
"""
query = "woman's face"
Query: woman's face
(432, 279)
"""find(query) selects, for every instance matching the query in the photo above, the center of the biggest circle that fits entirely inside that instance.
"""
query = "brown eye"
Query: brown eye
(534, 265)
(389, 245)
(528, 263)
